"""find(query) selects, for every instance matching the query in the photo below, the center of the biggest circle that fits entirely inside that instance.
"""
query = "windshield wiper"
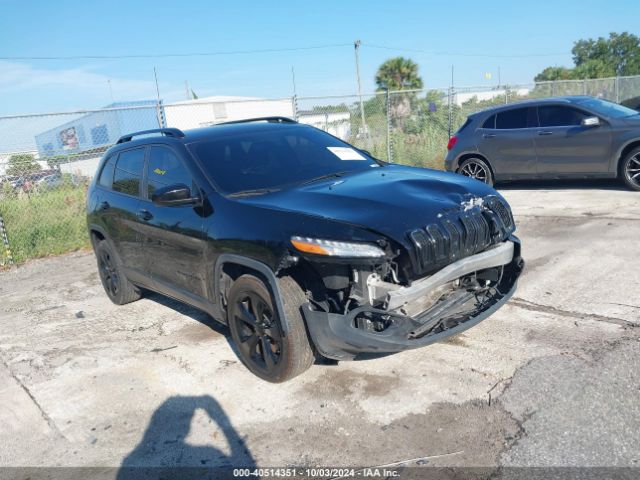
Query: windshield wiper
(255, 191)
(324, 177)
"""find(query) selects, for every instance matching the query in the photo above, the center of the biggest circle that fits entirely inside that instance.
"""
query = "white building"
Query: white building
(462, 97)
(336, 123)
(202, 112)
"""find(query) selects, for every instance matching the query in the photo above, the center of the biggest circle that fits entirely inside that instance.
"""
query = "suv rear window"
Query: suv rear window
(128, 172)
(106, 176)
(516, 118)
(490, 122)
(276, 157)
(464, 125)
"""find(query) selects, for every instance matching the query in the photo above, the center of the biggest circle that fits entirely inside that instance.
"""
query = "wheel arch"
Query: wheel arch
(624, 151)
(231, 266)
(466, 156)
(96, 234)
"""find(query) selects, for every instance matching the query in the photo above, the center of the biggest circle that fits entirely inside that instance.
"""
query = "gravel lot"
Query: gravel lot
(552, 379)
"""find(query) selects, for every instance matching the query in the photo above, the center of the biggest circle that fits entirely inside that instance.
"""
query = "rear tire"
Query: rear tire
(257, 329)
(116, 285)
(477, 169)
(630, 169)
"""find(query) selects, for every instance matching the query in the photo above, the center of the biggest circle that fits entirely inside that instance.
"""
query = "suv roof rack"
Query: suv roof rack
(169, 132)
(275, 119)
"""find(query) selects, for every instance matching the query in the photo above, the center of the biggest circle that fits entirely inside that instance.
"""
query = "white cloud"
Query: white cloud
(21, 77)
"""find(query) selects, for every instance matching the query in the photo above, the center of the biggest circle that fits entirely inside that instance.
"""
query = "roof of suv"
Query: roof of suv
(169, 135)
(533, 101)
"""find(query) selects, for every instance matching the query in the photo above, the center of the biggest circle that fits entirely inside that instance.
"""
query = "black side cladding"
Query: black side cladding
(460, 234)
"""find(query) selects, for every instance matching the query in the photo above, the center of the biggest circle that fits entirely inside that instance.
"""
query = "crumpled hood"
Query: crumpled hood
(390, 199)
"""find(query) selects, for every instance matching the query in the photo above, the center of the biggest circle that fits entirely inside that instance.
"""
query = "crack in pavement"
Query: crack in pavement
(26, 390)
(538, 307)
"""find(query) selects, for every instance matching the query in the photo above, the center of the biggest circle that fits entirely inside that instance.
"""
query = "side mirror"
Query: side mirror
(590, 122)
(174, 196)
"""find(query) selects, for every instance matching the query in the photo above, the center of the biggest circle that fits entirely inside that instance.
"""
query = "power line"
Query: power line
(460, 54)
(275, 50)
(169, 55)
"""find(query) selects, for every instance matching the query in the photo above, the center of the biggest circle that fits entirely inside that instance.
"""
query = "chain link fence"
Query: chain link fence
(48, 160)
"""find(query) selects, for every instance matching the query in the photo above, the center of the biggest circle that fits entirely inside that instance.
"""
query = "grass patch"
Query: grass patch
(45, 223)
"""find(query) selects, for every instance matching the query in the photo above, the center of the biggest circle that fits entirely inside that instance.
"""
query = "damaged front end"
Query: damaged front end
(445, 278)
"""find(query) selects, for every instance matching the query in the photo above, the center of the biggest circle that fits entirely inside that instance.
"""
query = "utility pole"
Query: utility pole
(294, 99)
(451, 104)
(293, 80)
(499, 79)
(159, 113)
(356, 44)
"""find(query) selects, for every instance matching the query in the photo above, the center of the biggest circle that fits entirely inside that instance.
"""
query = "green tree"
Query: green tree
(555, 73)
(617, 55)
(398, 73)
(22, 164)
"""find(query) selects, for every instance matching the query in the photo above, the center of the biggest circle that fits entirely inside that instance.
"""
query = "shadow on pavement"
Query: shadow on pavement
(611, 184)
(163, 452)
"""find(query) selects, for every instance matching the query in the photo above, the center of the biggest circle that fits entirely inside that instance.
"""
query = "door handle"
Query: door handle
(144, 215)
(104, 205)
(545, 132)
(489, 135)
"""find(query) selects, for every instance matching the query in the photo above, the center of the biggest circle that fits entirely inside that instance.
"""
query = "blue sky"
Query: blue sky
(460, 31)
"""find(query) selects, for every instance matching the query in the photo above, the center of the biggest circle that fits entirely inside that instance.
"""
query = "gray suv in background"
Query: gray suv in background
(553, 138)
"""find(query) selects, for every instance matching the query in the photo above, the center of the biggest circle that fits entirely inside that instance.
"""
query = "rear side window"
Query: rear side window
(464, 125)
(516, 118)
(490, 122)
(128, 172)
(560, 116)
(165, 168)
(106, 176)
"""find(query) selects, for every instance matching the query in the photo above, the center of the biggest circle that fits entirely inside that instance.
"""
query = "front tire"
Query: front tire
(630, 169)
(257, 329)
(116, 285)
(477, 169)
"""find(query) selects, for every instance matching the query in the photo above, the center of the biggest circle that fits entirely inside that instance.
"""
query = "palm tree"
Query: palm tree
(399, 73)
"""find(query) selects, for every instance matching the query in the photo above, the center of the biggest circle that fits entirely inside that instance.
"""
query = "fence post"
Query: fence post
(5, 241)
(584, 86)
(294, 105)
(450, 109)
(388, 115)
(617, 89)
(553, 88)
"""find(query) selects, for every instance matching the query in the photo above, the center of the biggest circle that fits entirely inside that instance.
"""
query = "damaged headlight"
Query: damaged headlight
(334, 248)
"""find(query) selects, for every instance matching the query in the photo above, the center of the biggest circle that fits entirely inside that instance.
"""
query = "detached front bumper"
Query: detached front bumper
(337, 336)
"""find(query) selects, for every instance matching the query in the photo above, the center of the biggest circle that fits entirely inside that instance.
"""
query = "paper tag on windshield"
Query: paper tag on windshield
(345, 153)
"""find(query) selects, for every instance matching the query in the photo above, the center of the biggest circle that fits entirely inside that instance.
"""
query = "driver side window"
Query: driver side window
(165, 168)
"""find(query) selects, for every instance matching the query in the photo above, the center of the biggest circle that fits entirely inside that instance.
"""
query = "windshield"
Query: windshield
(261, 161)
(607, 108)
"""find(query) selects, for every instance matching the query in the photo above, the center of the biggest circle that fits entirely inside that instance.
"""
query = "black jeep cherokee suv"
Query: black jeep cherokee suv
(304, 245)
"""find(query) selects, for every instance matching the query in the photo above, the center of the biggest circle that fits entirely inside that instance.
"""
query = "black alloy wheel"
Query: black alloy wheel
(259, 334)
(108, 273)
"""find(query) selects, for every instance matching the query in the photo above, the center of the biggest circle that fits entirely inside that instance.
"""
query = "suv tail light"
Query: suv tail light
(452, 142)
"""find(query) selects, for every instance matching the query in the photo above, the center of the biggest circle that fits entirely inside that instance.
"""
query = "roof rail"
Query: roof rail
(169, 132)
(275, 119)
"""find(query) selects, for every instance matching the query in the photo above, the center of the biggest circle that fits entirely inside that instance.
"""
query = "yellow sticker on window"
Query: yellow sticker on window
(159, 172)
